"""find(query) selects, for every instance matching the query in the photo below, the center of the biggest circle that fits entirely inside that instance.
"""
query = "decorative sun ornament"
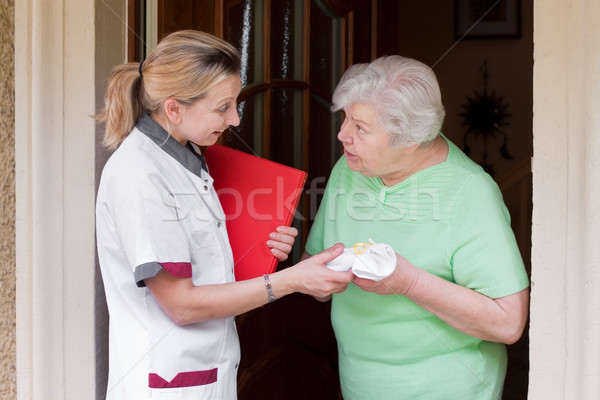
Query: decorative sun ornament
(485, 115)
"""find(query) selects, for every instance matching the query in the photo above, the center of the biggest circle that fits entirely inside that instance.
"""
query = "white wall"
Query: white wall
(54, 152)
(565, 316)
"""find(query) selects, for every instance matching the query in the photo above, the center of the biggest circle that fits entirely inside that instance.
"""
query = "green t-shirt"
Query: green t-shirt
(450, 220)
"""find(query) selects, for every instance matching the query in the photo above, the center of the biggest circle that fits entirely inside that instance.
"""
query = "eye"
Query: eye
(223, 109)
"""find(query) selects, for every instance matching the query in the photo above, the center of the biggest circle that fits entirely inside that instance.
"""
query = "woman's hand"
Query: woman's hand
(399, 282)
(312, 277)
(281, 241)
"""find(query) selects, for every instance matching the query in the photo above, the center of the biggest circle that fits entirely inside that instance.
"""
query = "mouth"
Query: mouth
(349, 155)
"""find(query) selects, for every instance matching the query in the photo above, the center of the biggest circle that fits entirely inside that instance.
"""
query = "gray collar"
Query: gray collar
(187, 156)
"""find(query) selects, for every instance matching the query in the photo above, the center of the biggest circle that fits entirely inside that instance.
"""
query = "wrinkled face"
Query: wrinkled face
(205, 120)
(367, 143)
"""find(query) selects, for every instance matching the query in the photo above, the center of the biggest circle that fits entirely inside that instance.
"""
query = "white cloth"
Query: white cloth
(375, 261)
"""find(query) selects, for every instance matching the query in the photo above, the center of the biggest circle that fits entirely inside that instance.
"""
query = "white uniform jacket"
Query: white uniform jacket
(157, 209)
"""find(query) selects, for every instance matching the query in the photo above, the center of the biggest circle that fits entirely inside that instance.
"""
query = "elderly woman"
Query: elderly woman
(436, 328)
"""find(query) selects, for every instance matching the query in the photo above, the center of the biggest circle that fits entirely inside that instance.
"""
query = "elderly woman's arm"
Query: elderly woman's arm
(498, 320)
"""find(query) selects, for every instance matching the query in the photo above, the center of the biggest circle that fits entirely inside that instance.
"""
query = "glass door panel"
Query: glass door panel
(291, 58)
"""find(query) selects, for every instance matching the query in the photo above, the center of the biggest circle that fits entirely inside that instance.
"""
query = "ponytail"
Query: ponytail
(122, 103)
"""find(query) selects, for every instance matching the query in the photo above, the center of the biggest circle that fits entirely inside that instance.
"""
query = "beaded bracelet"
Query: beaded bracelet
(269, 289)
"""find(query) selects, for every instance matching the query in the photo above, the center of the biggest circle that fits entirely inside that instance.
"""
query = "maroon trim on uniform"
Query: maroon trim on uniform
(183, 379)
(181, 269)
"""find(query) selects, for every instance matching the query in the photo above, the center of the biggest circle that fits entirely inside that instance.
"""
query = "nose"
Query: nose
(233, 118)
(345, 134)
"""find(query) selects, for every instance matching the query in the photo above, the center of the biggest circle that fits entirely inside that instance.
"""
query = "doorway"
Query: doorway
(288, 71)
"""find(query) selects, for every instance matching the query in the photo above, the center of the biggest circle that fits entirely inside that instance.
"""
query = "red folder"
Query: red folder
(257, 196)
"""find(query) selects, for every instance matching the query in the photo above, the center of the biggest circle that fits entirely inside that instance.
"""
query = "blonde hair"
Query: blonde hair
(183, 66)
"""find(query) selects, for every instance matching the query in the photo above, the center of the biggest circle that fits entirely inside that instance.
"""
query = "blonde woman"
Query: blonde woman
(164, 254)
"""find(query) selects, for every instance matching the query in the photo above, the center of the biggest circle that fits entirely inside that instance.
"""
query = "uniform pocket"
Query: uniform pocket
(183, 379)
(208, 264)
(186, 385)
(202, 226)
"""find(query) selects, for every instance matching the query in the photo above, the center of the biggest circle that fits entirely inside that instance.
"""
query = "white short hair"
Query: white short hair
(404, 93)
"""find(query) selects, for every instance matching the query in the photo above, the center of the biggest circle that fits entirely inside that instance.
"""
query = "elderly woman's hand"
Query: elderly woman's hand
(281, 241)
(399, 282)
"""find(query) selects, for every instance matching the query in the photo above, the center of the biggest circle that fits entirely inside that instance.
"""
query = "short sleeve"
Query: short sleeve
(146, 220)
(482, 248)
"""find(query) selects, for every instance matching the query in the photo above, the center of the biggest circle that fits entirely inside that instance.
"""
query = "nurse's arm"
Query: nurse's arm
(185, 303)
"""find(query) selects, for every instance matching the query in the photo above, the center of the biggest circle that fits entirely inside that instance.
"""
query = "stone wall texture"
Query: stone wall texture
(8, 383)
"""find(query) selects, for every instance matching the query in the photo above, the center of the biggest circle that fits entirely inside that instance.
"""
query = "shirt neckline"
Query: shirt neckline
(187, 156)
(416, 175)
